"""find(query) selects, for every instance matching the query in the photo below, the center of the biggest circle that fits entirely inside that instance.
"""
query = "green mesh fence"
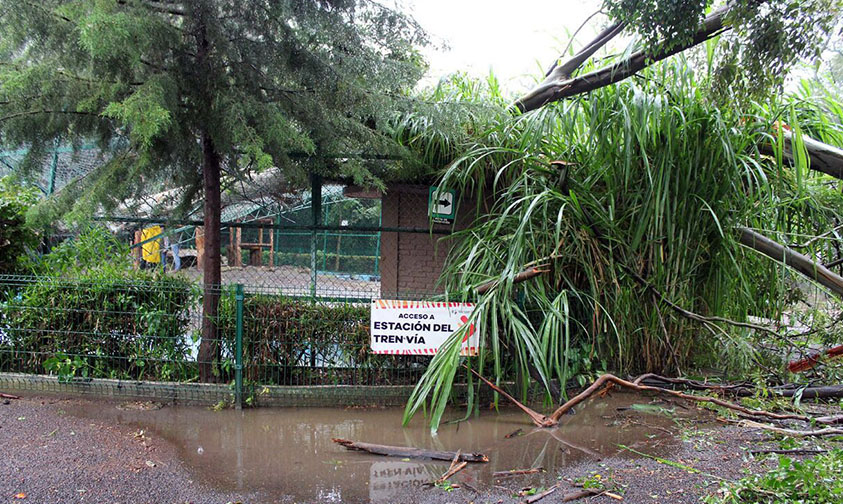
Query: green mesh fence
(144, 339)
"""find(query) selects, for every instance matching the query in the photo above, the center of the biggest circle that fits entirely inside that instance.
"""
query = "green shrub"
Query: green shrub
(15, 235)
(89, 313)
(299, 342)
(815, 480)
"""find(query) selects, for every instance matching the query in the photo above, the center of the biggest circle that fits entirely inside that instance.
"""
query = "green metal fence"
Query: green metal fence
(134, 334)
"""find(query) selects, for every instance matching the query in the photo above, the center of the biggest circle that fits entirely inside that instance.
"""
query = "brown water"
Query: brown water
(288, 453)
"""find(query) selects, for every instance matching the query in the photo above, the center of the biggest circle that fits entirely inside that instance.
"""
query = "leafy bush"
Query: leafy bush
(89, 313)
(815, 480)
(296, 342)
(15, 235)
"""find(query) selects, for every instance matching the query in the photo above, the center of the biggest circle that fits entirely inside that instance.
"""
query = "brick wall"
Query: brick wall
(412, 262)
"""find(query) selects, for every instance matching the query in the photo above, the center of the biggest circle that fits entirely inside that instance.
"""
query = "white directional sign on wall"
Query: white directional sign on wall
(419, 327)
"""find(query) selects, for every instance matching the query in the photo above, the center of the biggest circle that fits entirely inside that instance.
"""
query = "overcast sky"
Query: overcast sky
(514, 38)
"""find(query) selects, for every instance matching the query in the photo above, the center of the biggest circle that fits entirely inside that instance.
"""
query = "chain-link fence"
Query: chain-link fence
(293, 309)
(132, 332)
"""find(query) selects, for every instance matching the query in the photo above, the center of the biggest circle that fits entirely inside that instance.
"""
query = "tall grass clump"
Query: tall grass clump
(626, 200)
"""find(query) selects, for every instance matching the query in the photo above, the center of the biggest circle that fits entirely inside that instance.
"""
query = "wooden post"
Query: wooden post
(238, 259)
(137, 252)
(255, 255)
(272, 248)
(200, 248)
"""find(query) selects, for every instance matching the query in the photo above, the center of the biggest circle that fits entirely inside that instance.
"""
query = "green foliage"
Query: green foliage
(260, 80)
(764, 41)
(290, 341)
(816, 480)
(15, 235)
(90, 314)
(767, 38)
(663, 25)
(653, 180)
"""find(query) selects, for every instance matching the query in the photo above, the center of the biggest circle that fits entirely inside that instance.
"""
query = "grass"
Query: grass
(652, 179)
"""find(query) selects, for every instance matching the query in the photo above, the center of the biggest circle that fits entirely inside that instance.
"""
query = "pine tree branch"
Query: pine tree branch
(45, 111)
(153, 6)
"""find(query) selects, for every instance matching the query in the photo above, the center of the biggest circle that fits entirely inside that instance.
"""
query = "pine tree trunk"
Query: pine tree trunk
(209, 347)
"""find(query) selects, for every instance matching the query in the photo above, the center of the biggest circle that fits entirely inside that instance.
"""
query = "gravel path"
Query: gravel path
(52, 457)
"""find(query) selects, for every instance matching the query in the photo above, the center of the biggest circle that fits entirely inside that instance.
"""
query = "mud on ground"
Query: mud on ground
(49, 456)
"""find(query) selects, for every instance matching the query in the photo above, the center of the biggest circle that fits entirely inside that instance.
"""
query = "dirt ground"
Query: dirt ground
(49, 456)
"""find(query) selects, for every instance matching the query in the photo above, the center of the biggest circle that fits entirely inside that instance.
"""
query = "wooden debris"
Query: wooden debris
(409, 452)
(517, 472)
(797, 451)
(830, 420)
(828, 431)
(456, 466)
(539, 496)
(8, 396)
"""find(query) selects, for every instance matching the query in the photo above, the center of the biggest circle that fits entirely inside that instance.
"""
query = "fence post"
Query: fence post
(238, 348)
(315, 221)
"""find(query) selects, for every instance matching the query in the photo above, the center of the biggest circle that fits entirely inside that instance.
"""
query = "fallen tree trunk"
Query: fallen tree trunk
(609, 378)
(825, 392)
(409, 452)
(742, 389)
(824, 158)
(790, 257)
(554, 89)
(811, 361)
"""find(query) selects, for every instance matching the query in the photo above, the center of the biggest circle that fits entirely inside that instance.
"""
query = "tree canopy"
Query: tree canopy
(184, 94)
(147, 79)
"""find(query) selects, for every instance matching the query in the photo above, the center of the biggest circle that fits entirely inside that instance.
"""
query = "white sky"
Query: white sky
(517, 39)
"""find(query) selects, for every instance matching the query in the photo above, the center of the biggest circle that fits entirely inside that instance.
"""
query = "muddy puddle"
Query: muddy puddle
(287, 454)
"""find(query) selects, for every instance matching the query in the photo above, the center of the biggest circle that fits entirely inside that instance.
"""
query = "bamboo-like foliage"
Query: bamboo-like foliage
(640, 182)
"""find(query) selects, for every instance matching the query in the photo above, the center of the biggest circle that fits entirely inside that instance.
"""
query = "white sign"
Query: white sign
(444, 204)
(419, 327)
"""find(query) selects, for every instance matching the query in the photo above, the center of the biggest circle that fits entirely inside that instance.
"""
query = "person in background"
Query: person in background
(165, 247)
(174, 248)
(151, 248)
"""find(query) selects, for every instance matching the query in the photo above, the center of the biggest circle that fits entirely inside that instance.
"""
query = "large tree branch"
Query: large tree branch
(795, 260)
(824, 158)
(554, 89)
